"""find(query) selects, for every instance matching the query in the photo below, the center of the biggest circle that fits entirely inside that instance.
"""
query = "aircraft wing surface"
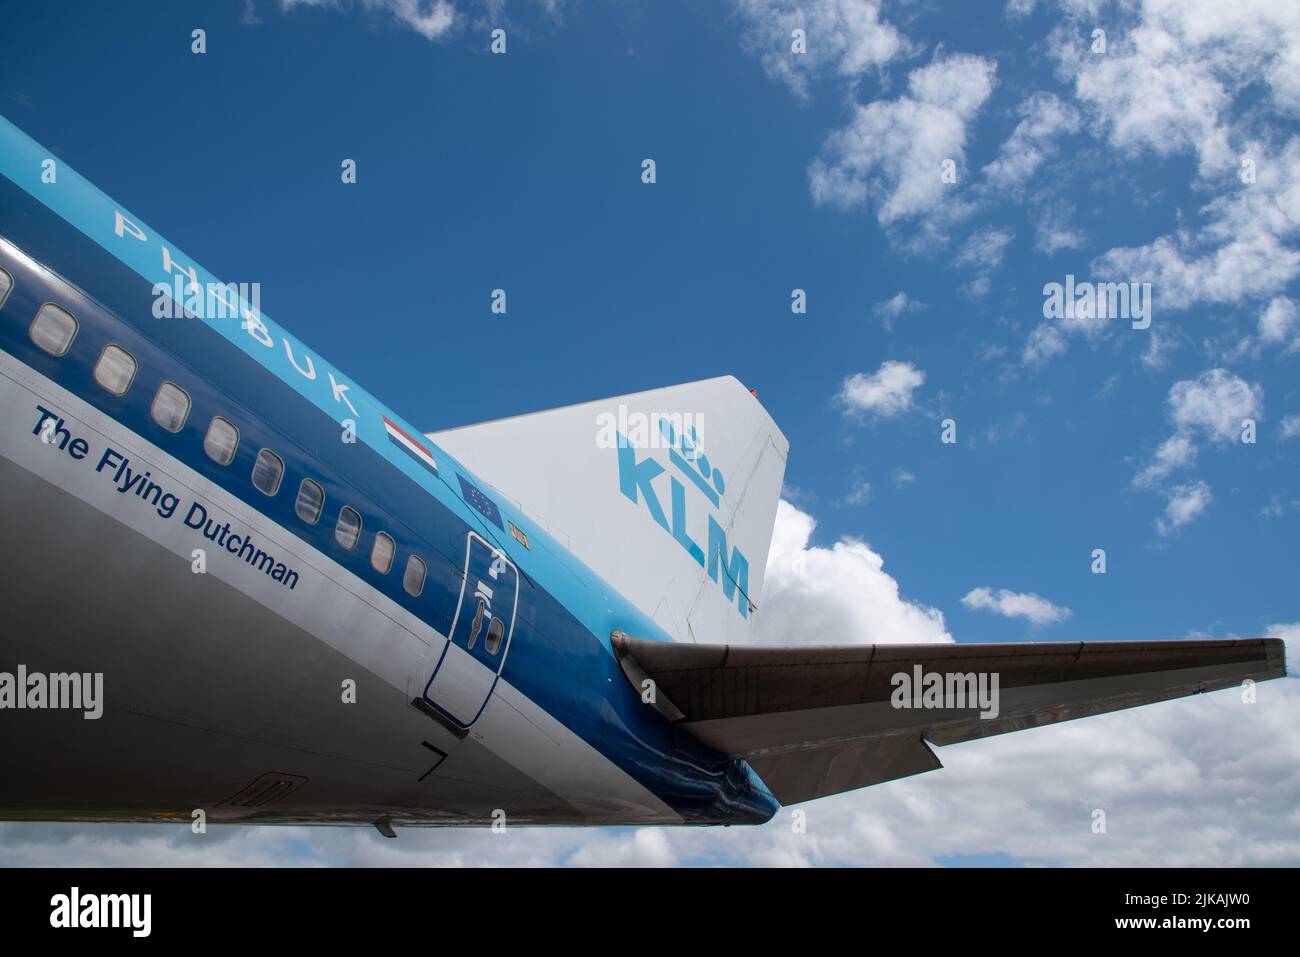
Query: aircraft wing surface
(818, 720)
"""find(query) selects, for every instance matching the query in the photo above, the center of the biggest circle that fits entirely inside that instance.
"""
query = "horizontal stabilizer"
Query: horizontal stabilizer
(817, 720)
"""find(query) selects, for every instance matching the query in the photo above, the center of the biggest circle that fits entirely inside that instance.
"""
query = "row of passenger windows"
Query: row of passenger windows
(53, 330)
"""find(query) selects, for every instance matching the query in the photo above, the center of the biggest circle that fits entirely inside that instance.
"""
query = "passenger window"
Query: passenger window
(171, 407)
(221, 441)
(311, 499)
(413, 580)
(6, 283)
(381, 555)
(492, 643)
(348, 528)
(53, 328)
(268, 469)
(115, 369)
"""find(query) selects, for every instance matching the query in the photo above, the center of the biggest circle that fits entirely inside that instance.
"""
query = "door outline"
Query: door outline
(496, 553)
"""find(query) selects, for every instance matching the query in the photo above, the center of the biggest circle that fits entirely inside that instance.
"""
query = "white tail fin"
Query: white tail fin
(669, 495)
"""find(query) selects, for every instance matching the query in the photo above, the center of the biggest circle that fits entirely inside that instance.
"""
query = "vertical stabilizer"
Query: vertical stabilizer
(670, 495)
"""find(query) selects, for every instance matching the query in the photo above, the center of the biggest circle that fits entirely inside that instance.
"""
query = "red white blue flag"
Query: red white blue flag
(410, 446)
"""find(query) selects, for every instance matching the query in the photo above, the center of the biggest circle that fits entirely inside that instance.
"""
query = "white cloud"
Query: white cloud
(1150, 92)
(984, 248)
(1185, 77)
(1240, 43)
(1156, 354)
(901, 476)
(1044, 343)
(817, 595)
(1291, 427)
(644, 847)
(1168, 84)
(1240, 252)
(1010, 604)
(1051, 237)
(1175, 452)
(1186, 502)
(1289, 633)
(429, 18)
(890, 309)
(1045, 118)
(1214, 404)
(886, 392)
(1277, 323)
(1237, 258)
(1210, 407)
(859, 494)
(1051, 337)
(891, 154)
(844, 36)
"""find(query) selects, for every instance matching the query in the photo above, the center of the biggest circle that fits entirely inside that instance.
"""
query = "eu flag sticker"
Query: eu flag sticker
(481, 502)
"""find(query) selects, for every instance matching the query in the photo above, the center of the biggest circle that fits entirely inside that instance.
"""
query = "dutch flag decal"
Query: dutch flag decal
(411, 447)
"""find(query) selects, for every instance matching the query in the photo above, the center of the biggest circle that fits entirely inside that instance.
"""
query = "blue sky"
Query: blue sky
(775, 171)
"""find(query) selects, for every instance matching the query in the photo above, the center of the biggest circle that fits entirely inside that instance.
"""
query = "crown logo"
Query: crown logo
(686, 451)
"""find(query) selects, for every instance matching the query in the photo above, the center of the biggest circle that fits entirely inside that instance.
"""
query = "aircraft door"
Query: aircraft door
(463, 678)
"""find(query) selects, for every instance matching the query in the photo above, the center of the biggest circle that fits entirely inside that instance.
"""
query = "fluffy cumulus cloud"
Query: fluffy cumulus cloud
(1243, 251)
(1211, 407)
(1215, 404)
(1183, 80)
(1046, 342)
(835, 594)
(891, 155)
(885, 393)
(1185, 502)
(984, 248)
(1033, 608)
(1166, 83)
(1278, 324)
(1045, 119)
(845, 37)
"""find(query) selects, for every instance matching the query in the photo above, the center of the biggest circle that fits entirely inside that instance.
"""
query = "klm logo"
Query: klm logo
(691, 471)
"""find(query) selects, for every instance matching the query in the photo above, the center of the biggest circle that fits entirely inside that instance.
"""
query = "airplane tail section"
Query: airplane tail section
(670, 495)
